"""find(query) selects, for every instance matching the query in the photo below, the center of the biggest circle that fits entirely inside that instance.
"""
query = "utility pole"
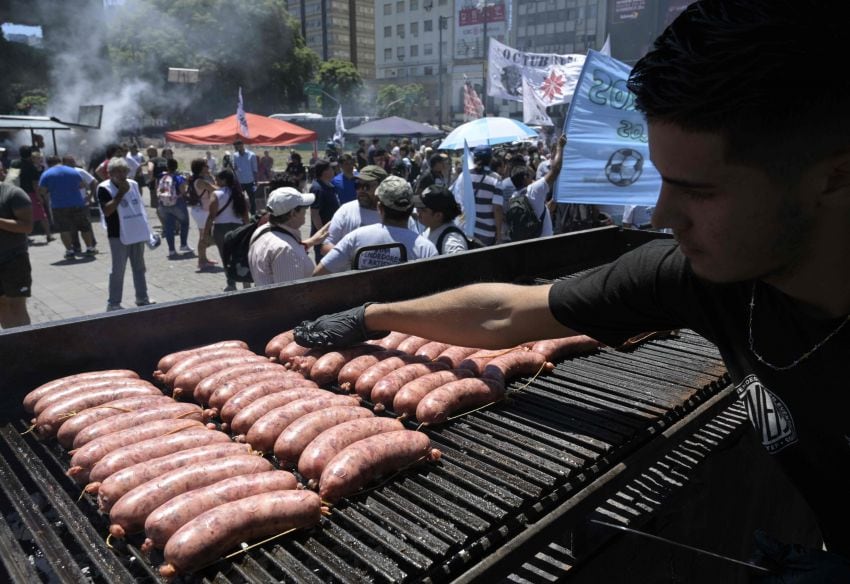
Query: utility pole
(441, 23)
(486, 57)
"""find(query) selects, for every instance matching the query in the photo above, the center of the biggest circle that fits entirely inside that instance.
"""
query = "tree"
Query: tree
(342, 80)
(400, 100)
(23, 88)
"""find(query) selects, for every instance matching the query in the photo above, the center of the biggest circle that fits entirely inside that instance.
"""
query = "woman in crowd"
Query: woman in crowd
(32, 166)
(437, 209)
(228, 210)
(201, 189)
(296, 169)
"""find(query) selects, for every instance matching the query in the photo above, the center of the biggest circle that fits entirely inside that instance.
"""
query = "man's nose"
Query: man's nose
(669, 211)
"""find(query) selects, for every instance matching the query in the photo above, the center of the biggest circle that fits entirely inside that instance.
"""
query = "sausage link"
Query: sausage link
(516, 364)
(205, 388)
(187, 381)
(152, 448)
(247, 416)
(358, 464)
(203, 356)
(386, 389)
(49, 421)
(432, 350)
(173, 410)
(353, 369)
(392, 340)
(438, 405)
(254, 391)
(125, 480)
(453, 356)
(304, 363)
(283, 379)
(277, 343)
(557, 349)
(295, 438)
(86, 457)
(57, 384)
(222, 528)
(326, 445)
(78, 422)
(412, 344)
(327, 367)
(364, 384)
(172, 359)
(73, 389)
(291, 351)
(129, 513)
(411, 393)
(166, 519)
(265, 431)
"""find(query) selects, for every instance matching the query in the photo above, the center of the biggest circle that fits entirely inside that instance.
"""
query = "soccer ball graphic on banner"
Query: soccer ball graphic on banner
(624, 167)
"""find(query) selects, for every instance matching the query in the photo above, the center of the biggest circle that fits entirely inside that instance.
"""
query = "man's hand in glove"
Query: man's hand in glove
(341, 329)
(795, 564)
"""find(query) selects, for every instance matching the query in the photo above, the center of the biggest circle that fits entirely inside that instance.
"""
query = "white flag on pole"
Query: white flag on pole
(241, 118)
(533, 109)
(468, 200)
(606, 48)
(339, 128)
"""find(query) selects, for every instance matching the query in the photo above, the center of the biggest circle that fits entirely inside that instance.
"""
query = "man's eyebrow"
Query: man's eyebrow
(689, 184)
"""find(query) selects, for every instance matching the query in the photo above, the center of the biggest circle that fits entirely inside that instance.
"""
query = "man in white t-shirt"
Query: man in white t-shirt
(538, 190)
(387, 243)
(360, 212)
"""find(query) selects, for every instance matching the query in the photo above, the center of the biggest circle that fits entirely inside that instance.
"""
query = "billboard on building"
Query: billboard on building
(470, 19)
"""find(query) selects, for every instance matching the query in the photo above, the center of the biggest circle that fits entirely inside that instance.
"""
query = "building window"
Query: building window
(427, 49)
(429, 71)
(414, 5)
(414, 50)
(388, 9)
(414, 29)
(399, 7)
(442, 2)
(388, 32)
(399, 30)
(428, 25)
(399, 53)
(388, 54)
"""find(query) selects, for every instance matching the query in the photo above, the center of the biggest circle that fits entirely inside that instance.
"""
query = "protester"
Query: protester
(88, 191)
(344, 183)
(228, 210)
(156, 168)
(70, 211)
(277, 253)
(434, 175)
(539, 191)
(127, 230)
(637, 217)
(325, 203)
(756, 187)
(436, 209)
(360, 155)
(171, 193)
(15, 269)
(265, 167)
(386, 243)
(354, 214)
(246, 167)
(296, 169)
(201, 187)
(212, 164)
(488, 197)
(29, 178)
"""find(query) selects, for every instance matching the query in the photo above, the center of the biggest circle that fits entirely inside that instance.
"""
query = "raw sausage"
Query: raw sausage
(170, 360)
(353, 369)
(39, 392)
(516, 364)
(295, 438)
(453, 356)
(558, 349)
(479, 359)
(392, 340)
(432, 350)
(326, 445)
(285, 380)
(49, 421)
(205, 388)
(364, 384)
(412, 344)
(303, 363)
(265, 431)
(255, 391)
(277, 343)
(73, 389)
(327, 367)
(122, 482)
(78, 422)
(356, 465)
(455, 396)
(173, 410)
(86, 457)
(166, 519)
(202, 356)
(129, 513)
(185, 383)
(245, 418)
(222, 528)
(386, 389)
(409, 396)
(290, 351)
(154, 448)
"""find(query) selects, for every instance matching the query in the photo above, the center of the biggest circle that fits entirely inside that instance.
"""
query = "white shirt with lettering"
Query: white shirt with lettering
(342, 255)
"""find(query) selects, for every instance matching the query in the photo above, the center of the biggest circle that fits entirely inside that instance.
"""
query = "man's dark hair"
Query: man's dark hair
(321, 166)
(380, 152)
(197, 165)
(53, 160)
(747, 71)
(112, 149)
(435, 159)
(346, 158)
(394, 215)
(518, 176)
(25, 152)
(238, 143)
(171, 164)
(282, 179)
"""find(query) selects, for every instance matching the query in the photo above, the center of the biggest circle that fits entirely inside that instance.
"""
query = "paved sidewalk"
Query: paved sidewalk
(68, 288)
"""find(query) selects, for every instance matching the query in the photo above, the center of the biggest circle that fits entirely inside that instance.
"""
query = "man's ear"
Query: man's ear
(836, 193)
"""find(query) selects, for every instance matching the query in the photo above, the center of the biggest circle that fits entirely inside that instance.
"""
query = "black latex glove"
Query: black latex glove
(795, 564)
(341, 329)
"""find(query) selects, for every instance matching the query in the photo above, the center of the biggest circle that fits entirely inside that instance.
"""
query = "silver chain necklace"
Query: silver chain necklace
(800, 359)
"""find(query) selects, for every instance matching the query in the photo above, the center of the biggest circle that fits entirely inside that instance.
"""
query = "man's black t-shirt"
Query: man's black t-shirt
(801, 415)
(113, 224)
(326, 200)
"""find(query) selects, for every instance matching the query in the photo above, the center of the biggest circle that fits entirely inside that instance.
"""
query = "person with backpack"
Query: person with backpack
(199, 194)
(228, 210)
(488, 197)
(171, 194)
(276, 252)
(528, 215)
(436, 209)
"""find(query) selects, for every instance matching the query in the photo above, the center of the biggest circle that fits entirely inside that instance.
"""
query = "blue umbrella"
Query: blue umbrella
(487, 131)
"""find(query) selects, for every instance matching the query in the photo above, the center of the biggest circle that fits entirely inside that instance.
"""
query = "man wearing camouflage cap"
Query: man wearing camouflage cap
(386, 243)
(360, 212)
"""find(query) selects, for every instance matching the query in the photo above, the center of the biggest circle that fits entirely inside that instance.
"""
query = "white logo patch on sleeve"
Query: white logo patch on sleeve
(768, 414)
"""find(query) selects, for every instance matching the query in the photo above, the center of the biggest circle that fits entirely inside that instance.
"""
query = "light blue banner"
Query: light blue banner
(606, 160)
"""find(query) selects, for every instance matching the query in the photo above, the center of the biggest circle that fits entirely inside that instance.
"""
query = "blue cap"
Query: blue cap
(482, 151)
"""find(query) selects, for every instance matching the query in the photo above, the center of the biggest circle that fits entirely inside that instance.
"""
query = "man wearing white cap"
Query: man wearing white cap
(277, 253)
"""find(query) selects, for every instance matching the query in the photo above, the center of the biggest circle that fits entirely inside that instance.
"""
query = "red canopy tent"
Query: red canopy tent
(264, 132)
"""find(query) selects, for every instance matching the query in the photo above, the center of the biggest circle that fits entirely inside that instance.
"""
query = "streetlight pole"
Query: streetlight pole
(486, 57)
(441, 24)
